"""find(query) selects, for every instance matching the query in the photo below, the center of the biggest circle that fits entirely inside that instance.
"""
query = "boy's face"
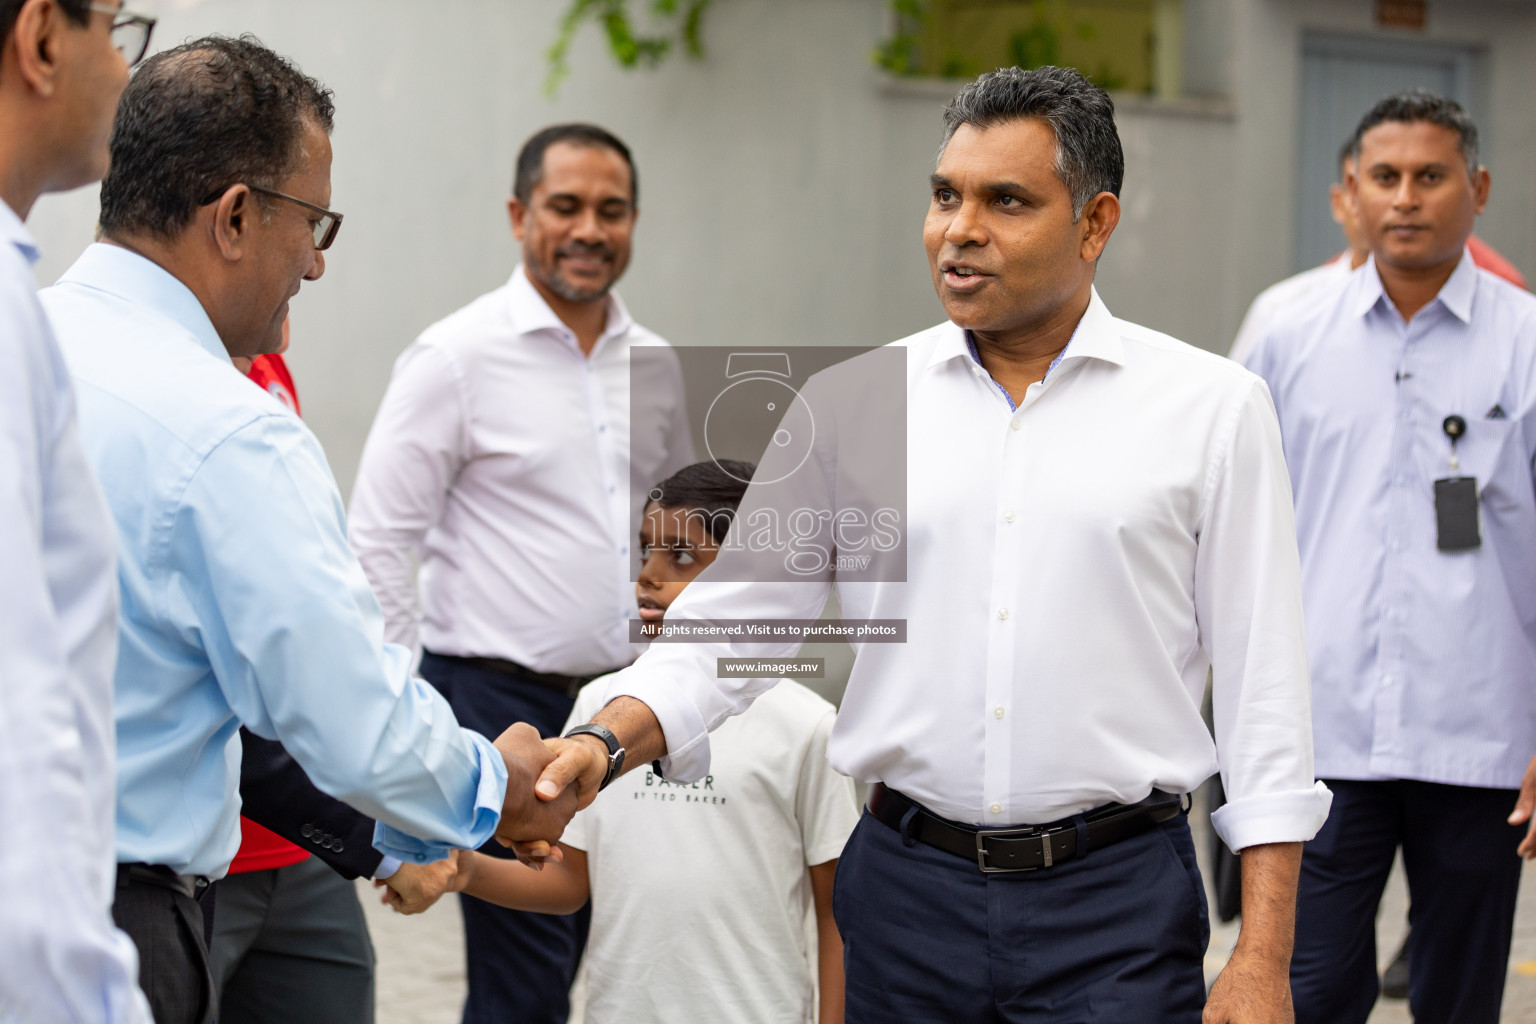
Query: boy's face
(675, 547)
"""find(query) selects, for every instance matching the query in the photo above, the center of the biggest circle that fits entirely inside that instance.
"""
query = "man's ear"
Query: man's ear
(1481, 183)
(32, 49)
(1100, 215)
(234, 215)
(517, 211)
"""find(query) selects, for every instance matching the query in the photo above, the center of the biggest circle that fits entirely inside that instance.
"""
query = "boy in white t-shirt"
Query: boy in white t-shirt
(700, 893)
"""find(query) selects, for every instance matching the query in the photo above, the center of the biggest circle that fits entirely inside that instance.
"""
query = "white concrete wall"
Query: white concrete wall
(783, 179)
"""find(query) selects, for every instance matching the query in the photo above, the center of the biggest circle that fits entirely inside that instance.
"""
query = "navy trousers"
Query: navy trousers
(1117, 936)
(519, 965)
(1463, 876)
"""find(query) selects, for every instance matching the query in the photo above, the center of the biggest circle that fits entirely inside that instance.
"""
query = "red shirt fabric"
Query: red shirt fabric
(262, 849)
(272, 373)
(1487, 258)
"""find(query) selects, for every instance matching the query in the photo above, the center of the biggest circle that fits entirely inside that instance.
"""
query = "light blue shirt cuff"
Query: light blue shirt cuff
(489, 797)
(386, 869)
(1293, 816)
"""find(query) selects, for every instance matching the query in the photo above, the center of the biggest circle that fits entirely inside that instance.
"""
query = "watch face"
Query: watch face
(745, 421)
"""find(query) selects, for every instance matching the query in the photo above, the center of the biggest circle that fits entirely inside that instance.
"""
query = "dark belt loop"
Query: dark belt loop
(907, 838)
(1081, 824)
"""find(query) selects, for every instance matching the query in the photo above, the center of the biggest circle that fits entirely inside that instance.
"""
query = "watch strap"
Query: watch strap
(615, 750)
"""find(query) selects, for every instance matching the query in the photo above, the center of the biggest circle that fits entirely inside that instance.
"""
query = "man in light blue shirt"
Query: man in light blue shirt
(63, 64)
(241, 601)
(1407, 405)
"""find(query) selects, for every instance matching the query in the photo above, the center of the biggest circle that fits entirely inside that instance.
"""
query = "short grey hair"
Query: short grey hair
(1088, 155)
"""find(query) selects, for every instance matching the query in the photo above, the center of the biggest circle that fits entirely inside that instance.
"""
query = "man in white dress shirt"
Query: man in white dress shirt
(1098, 514)
(1408, 408)
(63, 64)
(506, 461)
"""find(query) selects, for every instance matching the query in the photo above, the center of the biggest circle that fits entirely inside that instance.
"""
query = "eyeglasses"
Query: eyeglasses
(325, 229)
(130, 32)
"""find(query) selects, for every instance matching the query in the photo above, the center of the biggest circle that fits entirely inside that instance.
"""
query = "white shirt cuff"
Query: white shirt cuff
(1293, 816)
(687, 757)
(386, 869)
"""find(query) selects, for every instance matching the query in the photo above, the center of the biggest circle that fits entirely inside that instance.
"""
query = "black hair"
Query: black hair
(1088, 155)
(713, 488)
(77, 11)
(1346, 154)
(530, 159)
(199, 118)
(1417, 105)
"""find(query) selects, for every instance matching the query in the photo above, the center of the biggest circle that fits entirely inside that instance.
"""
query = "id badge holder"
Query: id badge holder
(1456, 500)
(1456, 514)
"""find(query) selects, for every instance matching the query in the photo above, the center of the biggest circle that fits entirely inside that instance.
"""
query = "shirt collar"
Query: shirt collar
(147, 285)
(14, 232)
(529, 312)
(1095, 337)
(1455, 295)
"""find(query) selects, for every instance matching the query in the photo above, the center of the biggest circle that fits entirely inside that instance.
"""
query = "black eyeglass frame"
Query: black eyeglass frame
(123, 18)
(325, 230)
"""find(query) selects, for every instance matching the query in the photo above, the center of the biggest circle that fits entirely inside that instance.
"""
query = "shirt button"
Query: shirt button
(1009, 517)
(996, 808)
(997, 712)
(1002, 613)
(1014, 424)
(1387, 680)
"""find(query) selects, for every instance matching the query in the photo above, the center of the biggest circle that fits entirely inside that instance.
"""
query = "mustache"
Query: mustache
(585, 249)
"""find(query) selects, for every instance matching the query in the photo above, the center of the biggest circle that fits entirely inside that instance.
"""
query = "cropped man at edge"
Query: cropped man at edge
(1098, 513)
(1408, 407)
(507, 460)
(63, 64)
(241, 602)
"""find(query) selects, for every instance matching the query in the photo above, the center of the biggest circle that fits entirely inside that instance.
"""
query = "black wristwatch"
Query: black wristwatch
(615, 752)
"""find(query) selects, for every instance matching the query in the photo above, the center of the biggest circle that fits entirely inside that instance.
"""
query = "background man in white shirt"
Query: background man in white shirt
(1098, 513)
(1408, 406)
(507, 462)
(63, 64)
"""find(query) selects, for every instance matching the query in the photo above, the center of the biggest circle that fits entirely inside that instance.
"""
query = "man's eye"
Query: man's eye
(943, 195)
(683, 556)
(1009, 201)
(645, 552)
(563, 209)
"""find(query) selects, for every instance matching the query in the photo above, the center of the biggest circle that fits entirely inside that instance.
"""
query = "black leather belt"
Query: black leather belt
(1025, 847)
(162, 877)
(568, 685)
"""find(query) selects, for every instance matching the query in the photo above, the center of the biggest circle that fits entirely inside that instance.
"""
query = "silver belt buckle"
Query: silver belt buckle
(1010, 833)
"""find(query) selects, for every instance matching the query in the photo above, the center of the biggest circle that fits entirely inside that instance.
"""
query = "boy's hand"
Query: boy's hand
(415, 887)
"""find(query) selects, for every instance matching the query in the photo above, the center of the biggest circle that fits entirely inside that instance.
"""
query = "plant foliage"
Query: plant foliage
(667, 23)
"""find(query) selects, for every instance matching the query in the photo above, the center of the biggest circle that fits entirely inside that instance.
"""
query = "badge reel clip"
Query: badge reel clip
(1456, 499)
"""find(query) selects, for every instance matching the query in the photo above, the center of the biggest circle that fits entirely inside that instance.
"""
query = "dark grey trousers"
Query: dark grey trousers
(291, 946)
(168, 928)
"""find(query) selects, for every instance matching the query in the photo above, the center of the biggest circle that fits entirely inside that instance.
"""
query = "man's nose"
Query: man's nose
(317, 268)
(964, 227)
(1407, 196)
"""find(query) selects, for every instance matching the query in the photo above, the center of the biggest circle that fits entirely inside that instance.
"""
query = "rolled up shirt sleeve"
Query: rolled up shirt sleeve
(268, 587)
(1248, 604)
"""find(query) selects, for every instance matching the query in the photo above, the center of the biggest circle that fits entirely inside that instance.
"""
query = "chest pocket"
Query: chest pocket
(1491, 452)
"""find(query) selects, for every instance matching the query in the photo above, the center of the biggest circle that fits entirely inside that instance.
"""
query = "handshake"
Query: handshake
(548, 780)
